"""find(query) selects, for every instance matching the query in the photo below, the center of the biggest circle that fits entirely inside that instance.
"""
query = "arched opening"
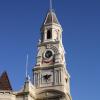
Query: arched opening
(50, 94)
(49, 34)
(42, 37)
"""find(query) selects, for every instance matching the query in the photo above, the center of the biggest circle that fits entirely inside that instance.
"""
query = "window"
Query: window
(42, 37)
(49, 34)
(36, 79)
(66, 80)
(57, 76)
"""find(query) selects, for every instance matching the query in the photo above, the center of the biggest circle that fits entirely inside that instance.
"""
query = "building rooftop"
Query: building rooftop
(51, 18)
(4, 82)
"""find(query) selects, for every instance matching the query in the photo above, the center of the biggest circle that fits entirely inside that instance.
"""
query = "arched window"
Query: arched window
(42, 37)
(49, 34)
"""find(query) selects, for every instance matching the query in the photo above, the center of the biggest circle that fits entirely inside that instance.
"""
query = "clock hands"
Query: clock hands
(46, 77)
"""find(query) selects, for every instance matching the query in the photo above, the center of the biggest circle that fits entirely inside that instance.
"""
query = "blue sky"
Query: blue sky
(20, 22)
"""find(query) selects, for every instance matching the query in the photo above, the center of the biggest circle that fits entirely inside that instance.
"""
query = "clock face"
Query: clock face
(48, 54)
(47, 76)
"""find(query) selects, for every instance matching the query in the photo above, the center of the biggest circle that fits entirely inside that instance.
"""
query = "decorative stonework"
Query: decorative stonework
(50, 73)
(51, 80)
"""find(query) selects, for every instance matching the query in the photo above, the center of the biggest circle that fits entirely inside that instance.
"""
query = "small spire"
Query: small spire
(50, 4)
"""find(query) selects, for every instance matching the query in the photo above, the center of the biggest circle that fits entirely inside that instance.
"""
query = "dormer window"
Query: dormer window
(49, 34)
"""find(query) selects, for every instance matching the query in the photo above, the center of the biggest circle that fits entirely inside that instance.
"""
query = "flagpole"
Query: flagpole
(27, 66)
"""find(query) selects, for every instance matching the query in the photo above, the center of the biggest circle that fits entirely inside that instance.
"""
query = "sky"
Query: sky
(20, 22)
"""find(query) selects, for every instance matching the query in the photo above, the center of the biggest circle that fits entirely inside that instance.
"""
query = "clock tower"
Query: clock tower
(51, 78)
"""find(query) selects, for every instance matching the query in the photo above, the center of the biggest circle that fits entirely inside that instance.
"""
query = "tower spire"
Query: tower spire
(50, 4)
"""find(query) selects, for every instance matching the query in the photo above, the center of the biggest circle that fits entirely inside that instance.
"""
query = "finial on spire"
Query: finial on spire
(27, 67)
(50, 4)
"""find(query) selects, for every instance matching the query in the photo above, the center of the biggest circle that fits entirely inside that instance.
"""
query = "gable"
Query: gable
(4, 82)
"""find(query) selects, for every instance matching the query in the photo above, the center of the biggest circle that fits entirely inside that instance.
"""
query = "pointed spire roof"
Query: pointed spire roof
(51, 18)
(4, 82)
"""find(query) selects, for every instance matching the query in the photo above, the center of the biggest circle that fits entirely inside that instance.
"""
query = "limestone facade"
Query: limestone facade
(50, 75)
